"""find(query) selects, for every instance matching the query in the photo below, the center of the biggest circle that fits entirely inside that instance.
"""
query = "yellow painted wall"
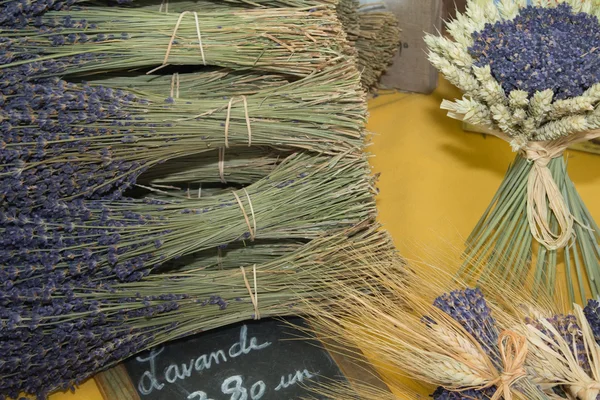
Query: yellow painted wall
(436, 180)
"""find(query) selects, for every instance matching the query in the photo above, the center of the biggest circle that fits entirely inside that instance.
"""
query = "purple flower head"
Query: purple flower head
(470, 394)
(569, 330)
(46, 119)
(542, 48)
(592, 314)
(18, 13)
(469, 308)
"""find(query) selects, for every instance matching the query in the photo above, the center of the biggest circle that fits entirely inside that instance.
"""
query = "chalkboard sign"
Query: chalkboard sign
(264, 360)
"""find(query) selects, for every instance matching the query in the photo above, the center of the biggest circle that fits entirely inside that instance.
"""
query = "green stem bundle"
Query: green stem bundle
(239, 165)
(304, 198)
(215, 84)
(203, 5)
(234, 255)
(378, 42)
(280, 283)
(289, 41)
(502, 238)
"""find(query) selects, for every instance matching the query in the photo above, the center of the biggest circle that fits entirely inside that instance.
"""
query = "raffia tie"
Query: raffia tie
(165, 4)
(250, 229)
(585, 390)
(513, 352)
(221, 164)
(253, 295)
(170, 46)
(228, 118)
(175, 85)
(543, 194)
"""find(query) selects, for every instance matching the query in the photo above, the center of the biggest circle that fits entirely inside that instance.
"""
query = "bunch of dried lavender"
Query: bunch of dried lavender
(240, 165)
(531, 77)
(93, 275)
(83, 240)
(377, 43)
(177, 6)
(62, 140)
(217, 83)
(291, 41)
(56, 338)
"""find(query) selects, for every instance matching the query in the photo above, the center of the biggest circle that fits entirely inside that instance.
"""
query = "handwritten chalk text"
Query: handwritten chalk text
(173, 373)
(292, 379)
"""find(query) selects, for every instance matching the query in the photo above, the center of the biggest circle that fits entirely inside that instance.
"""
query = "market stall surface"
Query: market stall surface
(436, 181)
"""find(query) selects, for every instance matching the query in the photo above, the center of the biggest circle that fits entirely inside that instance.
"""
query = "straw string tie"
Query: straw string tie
(228, 119)
(250, 227)
(543, 194)
(221, 164)
(253, 295)
(172, 40)
(513, 352)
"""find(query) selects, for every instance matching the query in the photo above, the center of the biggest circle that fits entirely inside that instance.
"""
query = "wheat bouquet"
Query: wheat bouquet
(471, 344)
(530, 74)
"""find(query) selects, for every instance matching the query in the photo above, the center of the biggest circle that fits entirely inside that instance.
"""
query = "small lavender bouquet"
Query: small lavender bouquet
(471, 344)
(530, 72)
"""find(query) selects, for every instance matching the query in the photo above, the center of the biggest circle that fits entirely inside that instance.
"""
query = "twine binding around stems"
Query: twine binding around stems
(164, 3)
(165, 61)
(253, 296)
(222, 164)
(175, 85)
(252, 231)
(231, 101)
(219, 257)
(513, 352)
(543, 194)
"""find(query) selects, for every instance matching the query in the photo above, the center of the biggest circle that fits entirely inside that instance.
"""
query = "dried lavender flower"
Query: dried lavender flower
(18, 13)
(293, 41)
(570, 331)
(592, 314)
(469, 308)
(58, 339)
(542, 48)
(125, 239)
(470, 394)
